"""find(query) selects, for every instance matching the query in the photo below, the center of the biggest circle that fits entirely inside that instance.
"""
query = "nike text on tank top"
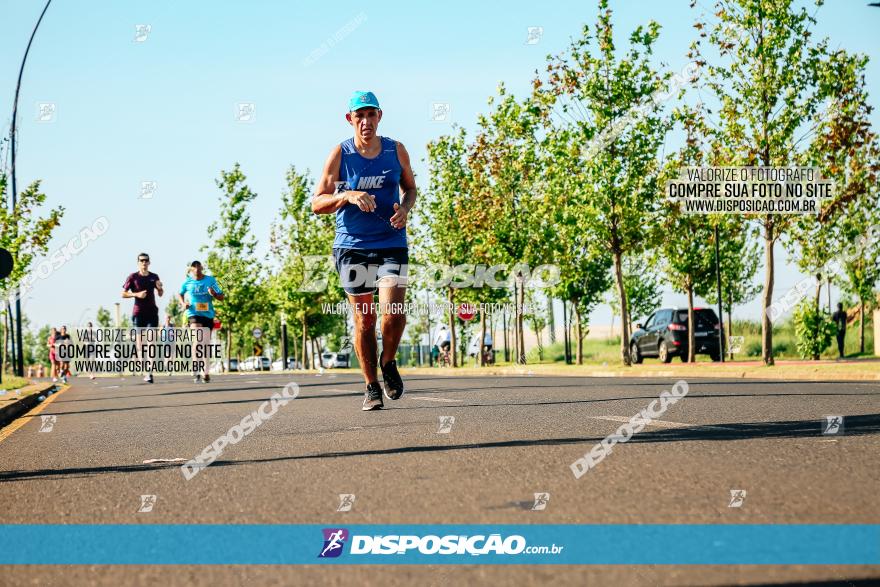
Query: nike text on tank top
(379, 177)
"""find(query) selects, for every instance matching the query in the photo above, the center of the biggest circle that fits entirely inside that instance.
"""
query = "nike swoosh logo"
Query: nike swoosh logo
(386, 171)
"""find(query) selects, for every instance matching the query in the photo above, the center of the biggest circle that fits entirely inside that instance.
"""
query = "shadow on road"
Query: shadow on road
(859, 425)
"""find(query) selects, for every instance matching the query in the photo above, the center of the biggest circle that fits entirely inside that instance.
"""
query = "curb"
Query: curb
(816, 375)
(15, 409)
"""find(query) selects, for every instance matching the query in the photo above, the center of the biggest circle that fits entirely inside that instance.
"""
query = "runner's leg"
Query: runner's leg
(391, 301)
(364, 334)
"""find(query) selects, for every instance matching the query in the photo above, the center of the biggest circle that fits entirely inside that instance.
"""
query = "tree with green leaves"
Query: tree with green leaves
(768, 78)
(506, 170)
(688, 255)
(846, 149)
(25, 233)
(304, 279)
(597, 87)
(103, 318)
(176, 311)
(231, 259)
(562, 215)
(643, 287)
(448, 189)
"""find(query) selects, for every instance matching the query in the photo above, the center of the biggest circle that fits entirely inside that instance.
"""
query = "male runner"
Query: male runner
(362, 183)
(201, 290)
(140, 285)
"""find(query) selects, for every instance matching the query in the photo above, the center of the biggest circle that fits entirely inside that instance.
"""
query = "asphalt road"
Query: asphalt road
(511, 437)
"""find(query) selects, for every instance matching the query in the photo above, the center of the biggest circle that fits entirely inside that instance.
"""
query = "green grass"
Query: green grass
(10, 382)
(785, 342)
(598, 351)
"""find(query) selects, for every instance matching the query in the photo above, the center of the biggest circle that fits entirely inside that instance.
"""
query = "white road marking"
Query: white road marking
(175, 460)
(432, 399)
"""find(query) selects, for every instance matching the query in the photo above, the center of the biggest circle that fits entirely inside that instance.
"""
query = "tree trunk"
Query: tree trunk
(480, 355)
(305, 344)
(228, 346)
(453, 348)
(692, 340)
(580, 334)
(767, 296)
(624, 313)
(520, 331)
(729, 324)
(551, 320)
(504, 328)
(818, 309)
(861, 326)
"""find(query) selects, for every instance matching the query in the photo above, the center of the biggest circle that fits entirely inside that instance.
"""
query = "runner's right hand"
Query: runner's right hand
(362, 200)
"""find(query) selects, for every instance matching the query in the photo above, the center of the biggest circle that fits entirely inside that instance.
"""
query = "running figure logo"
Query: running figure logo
(541, 500)
(48, 422)
(832, 425)
(737, 497)
(346, 500)
(446, 423)
(147, 503)
(334, 540)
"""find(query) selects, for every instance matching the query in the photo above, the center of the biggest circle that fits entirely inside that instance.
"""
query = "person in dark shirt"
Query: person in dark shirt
(63, 338)
(143, 285)
(839, 318)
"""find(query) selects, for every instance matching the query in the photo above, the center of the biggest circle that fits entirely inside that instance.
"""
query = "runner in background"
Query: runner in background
(63, 338)
(141, 286)
(197, 295)
(54, 365)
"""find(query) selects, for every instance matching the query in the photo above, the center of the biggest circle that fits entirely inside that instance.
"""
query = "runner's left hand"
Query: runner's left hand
(398, 221)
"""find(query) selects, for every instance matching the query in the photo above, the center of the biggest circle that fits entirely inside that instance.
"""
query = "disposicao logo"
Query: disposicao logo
(334, 541)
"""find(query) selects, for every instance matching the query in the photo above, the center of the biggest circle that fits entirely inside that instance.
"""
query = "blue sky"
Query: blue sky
(163, 109)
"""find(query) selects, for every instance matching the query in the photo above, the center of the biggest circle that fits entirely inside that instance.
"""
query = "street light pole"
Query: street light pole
(19, 363)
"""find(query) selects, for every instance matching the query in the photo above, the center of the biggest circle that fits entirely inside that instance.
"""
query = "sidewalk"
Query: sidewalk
(15, 403)
(846, 370)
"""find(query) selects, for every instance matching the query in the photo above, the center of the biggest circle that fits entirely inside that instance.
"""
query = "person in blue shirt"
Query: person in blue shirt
(369, 184)
(197, 295)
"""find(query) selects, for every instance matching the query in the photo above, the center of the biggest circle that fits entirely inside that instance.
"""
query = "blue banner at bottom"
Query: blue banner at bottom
(630, 544)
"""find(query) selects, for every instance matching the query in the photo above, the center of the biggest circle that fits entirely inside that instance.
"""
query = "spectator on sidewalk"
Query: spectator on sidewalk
(839, 318)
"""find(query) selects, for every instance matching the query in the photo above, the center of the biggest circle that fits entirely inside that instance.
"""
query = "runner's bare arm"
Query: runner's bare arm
(326, 201)
(407, 188)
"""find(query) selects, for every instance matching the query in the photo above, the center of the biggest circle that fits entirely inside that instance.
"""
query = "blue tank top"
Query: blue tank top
(379, 177)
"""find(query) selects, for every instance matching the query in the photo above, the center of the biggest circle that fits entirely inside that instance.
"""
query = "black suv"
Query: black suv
(665, 334)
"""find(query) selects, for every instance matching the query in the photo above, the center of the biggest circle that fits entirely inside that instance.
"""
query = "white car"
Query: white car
(335, 360)
(291, 364)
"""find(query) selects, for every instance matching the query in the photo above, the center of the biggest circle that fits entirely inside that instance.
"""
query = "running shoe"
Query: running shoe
(373, 397)
(207, 378)
(148, 378)
(393, 381)
(197, 379)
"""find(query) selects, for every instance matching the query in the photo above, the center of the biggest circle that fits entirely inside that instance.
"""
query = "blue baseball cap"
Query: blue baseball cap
(361, 99)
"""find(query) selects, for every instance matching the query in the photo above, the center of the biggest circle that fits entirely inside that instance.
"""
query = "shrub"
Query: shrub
(813, 329)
